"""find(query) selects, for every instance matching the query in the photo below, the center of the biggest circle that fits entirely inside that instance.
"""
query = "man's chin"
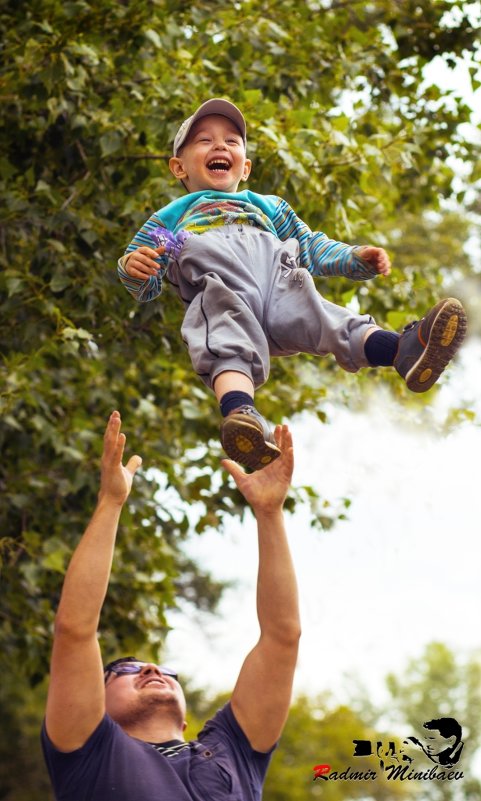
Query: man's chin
(150, 704)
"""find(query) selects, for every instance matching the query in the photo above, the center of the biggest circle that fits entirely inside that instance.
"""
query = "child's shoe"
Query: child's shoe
(247, 438)
(427, 346)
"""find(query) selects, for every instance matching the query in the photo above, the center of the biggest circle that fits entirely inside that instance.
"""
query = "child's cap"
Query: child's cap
(214, 106)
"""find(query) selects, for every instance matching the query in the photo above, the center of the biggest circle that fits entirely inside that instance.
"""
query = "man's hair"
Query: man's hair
(446, 727)
(114, 662)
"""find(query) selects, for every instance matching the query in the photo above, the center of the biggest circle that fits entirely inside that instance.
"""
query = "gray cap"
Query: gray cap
(214, 106)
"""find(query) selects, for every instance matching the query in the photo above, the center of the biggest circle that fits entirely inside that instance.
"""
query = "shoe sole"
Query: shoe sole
(245, 444)
(446, 335)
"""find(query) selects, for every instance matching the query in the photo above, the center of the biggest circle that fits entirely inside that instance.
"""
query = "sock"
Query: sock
(232, 400)
(381, 348)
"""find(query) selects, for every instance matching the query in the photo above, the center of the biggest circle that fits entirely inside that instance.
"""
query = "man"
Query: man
(118, 734)
(442, 741)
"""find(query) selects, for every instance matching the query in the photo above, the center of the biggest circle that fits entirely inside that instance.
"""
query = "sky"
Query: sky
(402, 571)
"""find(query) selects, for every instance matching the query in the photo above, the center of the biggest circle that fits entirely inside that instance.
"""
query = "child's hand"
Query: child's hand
(377, 258)
(141, 264)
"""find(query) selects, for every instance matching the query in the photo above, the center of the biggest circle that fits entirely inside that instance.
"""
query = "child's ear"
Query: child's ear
(177, 168)
(247, 169)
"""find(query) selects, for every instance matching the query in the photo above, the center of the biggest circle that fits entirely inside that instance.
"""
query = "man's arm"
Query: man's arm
(262, 694)
(76, 696)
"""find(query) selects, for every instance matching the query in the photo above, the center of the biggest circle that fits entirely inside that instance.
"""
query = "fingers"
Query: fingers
(142, 264)
(114, 441)
(112, 430)
(114, 444)
(384, 264)
(283, 437)
(378, 258)
(119, 448)
(133, 464)
(235, 470)
(284, 442)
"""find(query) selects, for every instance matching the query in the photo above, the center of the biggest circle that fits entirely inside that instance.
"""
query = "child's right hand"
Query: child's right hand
(141, 263)
(377, 258)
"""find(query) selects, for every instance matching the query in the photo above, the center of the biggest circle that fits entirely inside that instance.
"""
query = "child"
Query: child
(242, 262)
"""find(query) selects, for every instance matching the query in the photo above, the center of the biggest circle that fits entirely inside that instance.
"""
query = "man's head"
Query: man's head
(137, 691)
(442, 737)
(210, 148)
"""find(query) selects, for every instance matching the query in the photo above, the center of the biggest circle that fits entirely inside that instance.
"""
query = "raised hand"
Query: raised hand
(115, 478)
(266, 489)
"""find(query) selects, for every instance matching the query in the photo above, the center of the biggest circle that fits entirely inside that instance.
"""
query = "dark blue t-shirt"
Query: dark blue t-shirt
(112, 766)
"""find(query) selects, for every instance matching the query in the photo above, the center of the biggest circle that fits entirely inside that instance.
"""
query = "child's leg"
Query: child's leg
(245, 435)
(232, 383)
(300, 319)
(381, 347)
(424, 349)
(224, 276)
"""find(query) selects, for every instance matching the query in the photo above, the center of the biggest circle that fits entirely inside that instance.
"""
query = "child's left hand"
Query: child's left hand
(377, 258)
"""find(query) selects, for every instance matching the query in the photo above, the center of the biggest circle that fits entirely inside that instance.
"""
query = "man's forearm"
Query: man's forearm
(277, 597)
(87, 577)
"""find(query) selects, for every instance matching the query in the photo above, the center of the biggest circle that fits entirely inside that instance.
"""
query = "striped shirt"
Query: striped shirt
(198, 212)
(171, 748)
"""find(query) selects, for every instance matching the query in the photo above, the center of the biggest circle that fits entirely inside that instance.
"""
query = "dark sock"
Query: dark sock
(381, 348)
(232, 400)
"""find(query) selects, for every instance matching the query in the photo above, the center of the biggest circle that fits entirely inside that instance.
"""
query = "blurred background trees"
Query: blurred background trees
(342, 122)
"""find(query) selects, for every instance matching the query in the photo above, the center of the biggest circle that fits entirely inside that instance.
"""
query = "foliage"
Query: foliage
(340, 123)
(319, 731)
(23, 776)
(439, 684)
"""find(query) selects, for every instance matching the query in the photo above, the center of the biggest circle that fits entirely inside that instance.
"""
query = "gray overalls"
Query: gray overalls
(247, 299)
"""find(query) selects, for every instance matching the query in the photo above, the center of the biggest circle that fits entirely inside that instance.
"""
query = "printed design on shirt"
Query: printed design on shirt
(204, 216)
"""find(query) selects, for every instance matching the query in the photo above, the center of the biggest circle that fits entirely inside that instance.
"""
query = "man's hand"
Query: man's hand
(115, 479)
(266, 489)
(141, 262)
(377, 258)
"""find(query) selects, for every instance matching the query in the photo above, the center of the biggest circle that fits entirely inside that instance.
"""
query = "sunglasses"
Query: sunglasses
(126, 668)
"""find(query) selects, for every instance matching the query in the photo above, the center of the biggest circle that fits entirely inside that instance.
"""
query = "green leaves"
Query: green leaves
(339, 122)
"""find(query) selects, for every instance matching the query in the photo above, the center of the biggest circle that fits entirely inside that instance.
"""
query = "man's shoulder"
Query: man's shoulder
(223, 719)
(107, 729)
(224, 723)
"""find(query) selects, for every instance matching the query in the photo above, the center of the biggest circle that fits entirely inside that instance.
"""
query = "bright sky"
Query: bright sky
(404, 570)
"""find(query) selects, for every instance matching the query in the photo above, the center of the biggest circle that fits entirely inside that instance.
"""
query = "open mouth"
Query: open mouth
(218, 165)
(158, 682)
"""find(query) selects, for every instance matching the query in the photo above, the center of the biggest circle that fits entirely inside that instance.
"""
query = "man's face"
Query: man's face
(213, 158)
(131, 697)
(435, 743)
